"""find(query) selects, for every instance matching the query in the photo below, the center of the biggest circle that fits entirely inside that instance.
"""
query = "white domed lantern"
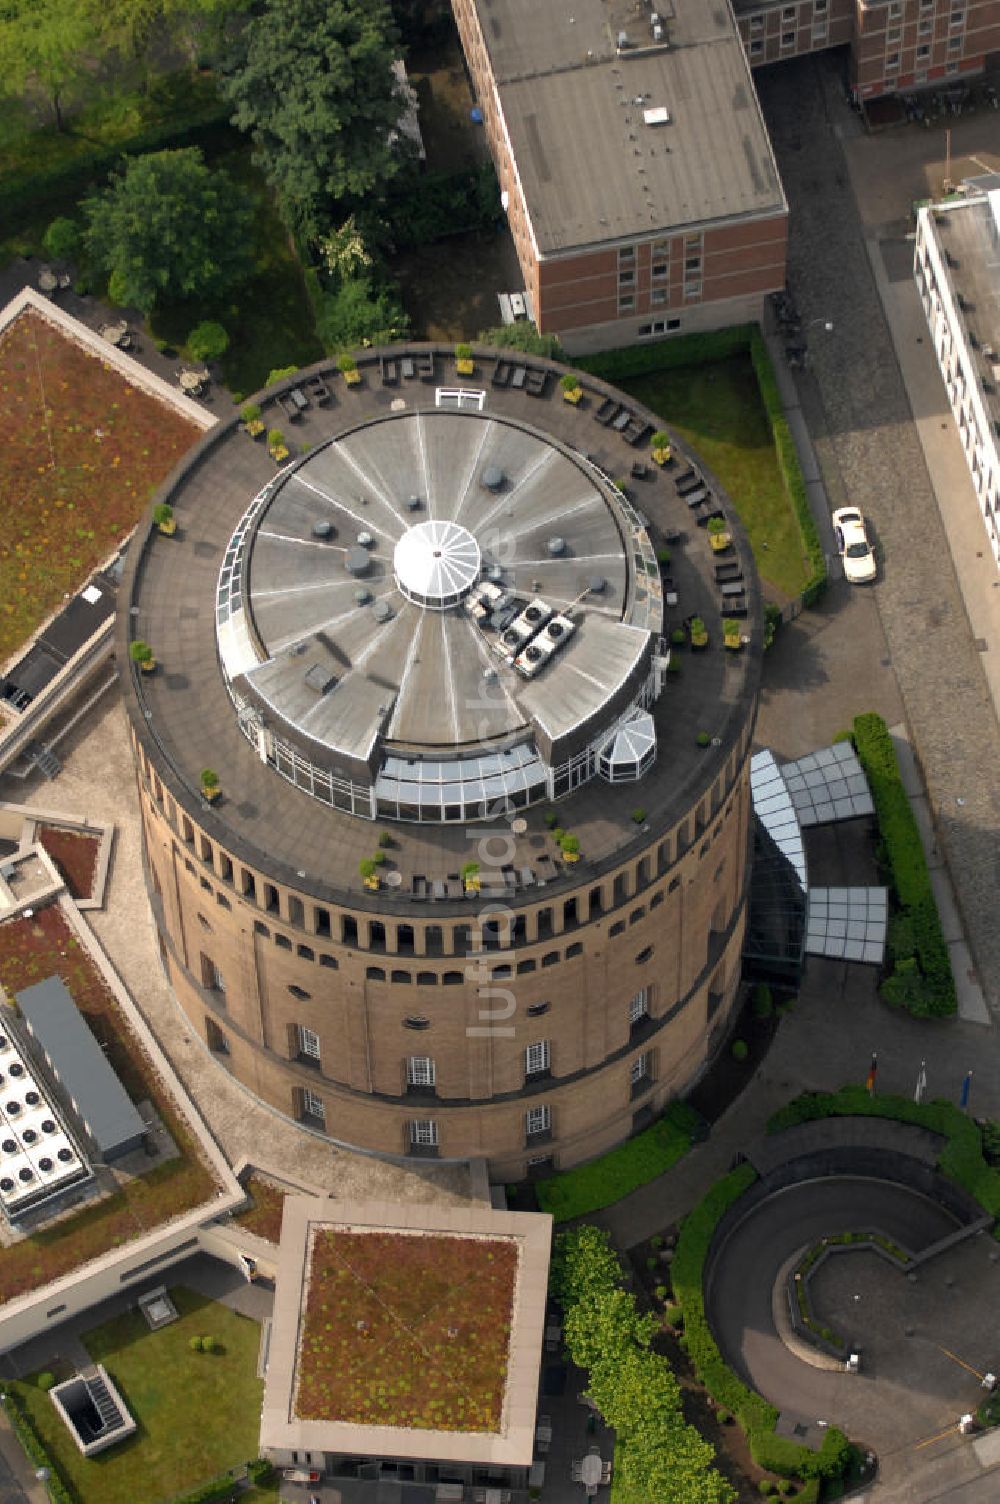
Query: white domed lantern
(436, 564)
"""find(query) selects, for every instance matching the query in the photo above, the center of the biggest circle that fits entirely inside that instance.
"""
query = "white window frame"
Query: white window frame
(424, 1132)
(638, 1006)
(421, 1070)
(313, 1106)
(308, 1042)
(538, 1120)
(639, 1070)
(537, 1057)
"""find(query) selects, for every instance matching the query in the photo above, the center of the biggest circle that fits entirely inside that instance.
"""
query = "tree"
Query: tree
(359, 313)
(208, 341)
(312, 82)
(168, 228)
(48, 45)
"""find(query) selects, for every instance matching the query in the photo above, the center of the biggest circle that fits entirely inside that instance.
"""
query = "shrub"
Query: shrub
(209, 778)
(463, 352)
(194, 1343)
(639, 816)
(926, 989)
(678, 637)
(723, 1416)
(208, 341)
(385, 837)
(569, 382)
(45, 1380)
(703, 739)
(601, 1182)
(663, 556)
(367, 867)
(660, 1292)
(570, 844)
(275, 438)
(281, 373)
(163, 512)
(763, 1005)
(140, 652)
(684, 350)
(739, 1050)
(772, 621)
(378, 857)
(34, 1448)
(765, 1487)
(61, 240)
(716, 525)
(525, 337)
(551, 819)
(250, 412)
(469, 869)
(656, 1242)
(673, 1315)
(209, 1345)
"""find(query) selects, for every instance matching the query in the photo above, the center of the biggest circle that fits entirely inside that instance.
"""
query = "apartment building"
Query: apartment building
(636, 170)
(956, 263)
(894, 44)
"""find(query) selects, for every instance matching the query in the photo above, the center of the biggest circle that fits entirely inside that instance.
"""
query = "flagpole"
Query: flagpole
(921, 1086)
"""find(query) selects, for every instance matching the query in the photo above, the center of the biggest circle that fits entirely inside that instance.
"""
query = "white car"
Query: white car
(853, 546)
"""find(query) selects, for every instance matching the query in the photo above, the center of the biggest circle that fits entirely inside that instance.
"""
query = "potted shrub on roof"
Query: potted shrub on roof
(142, 654)
(276, 446)
(211, 789)
(470, 877)
(571, 389)
(163, 516)
(368, 868)
(718, 534)
(253, 423)
(570, 847)
(698, 632)
(732, 635)
(348, 367)
(464, 364)
(660, 445)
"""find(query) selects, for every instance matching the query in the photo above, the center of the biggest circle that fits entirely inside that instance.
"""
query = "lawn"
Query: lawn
(603, 1181)
(717, 408)
(74, 854)
(84, 451)
(30, 950)
(406, 1330)
(269, 319)
(263, 1215)
(198, 1413)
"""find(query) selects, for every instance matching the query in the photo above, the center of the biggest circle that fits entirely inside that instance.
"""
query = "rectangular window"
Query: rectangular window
(894, 34)
(820, 8)
(892, 62)
(537, 1120)
(626, 279)
(692, 263)
(954, 44)
(692, 290)
(420, 1071)
(925, 29)
(787, 39)
(658, 296)
(956, 19)
(756, 47)
(923, 53)
(424, 1133)
(626, 304)
(820, 35)
(312, 1106)
(638, 1007)
(308, 1042)
(537, 1058)
(660, 269)
(756, 23)
(639, 1069)
(788, 13)
(626, 255)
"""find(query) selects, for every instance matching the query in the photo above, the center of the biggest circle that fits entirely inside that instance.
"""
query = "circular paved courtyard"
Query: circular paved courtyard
(924, 1342)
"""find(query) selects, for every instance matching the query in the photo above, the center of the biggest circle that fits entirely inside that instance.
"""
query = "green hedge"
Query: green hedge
(922, 979)
(788, 464)
(90, 161)
(221, 1488)
(756, 1416)
(614, 1175)
(961, 1159)
(34, 1449)
(682, 350)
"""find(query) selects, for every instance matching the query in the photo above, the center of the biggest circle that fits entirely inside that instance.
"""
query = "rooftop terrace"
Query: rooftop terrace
(185, 715)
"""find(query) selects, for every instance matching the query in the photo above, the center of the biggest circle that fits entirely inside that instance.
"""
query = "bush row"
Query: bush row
(221, 1488)
(756, 1416)
(35, 1450)
(791, 470)
(21, 193)
(424, 207)
(683, 350)
(658, 1455)
(922, 979)
(603, 1181)
(961, 1159)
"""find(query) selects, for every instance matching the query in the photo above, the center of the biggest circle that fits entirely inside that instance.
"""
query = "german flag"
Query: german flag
(872, 1073)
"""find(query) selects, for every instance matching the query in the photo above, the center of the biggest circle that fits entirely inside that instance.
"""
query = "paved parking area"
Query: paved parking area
(868, 448)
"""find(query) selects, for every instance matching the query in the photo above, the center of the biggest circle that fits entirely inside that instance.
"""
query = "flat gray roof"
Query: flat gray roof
(591, 169)
(348, 679)
(78, 1063)
(969, 234)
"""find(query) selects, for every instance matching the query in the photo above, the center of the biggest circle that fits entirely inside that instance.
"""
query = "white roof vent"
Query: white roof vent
(657, 115)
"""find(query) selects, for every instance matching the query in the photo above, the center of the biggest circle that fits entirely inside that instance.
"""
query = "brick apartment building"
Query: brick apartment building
(637, 174)
(894, 44)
